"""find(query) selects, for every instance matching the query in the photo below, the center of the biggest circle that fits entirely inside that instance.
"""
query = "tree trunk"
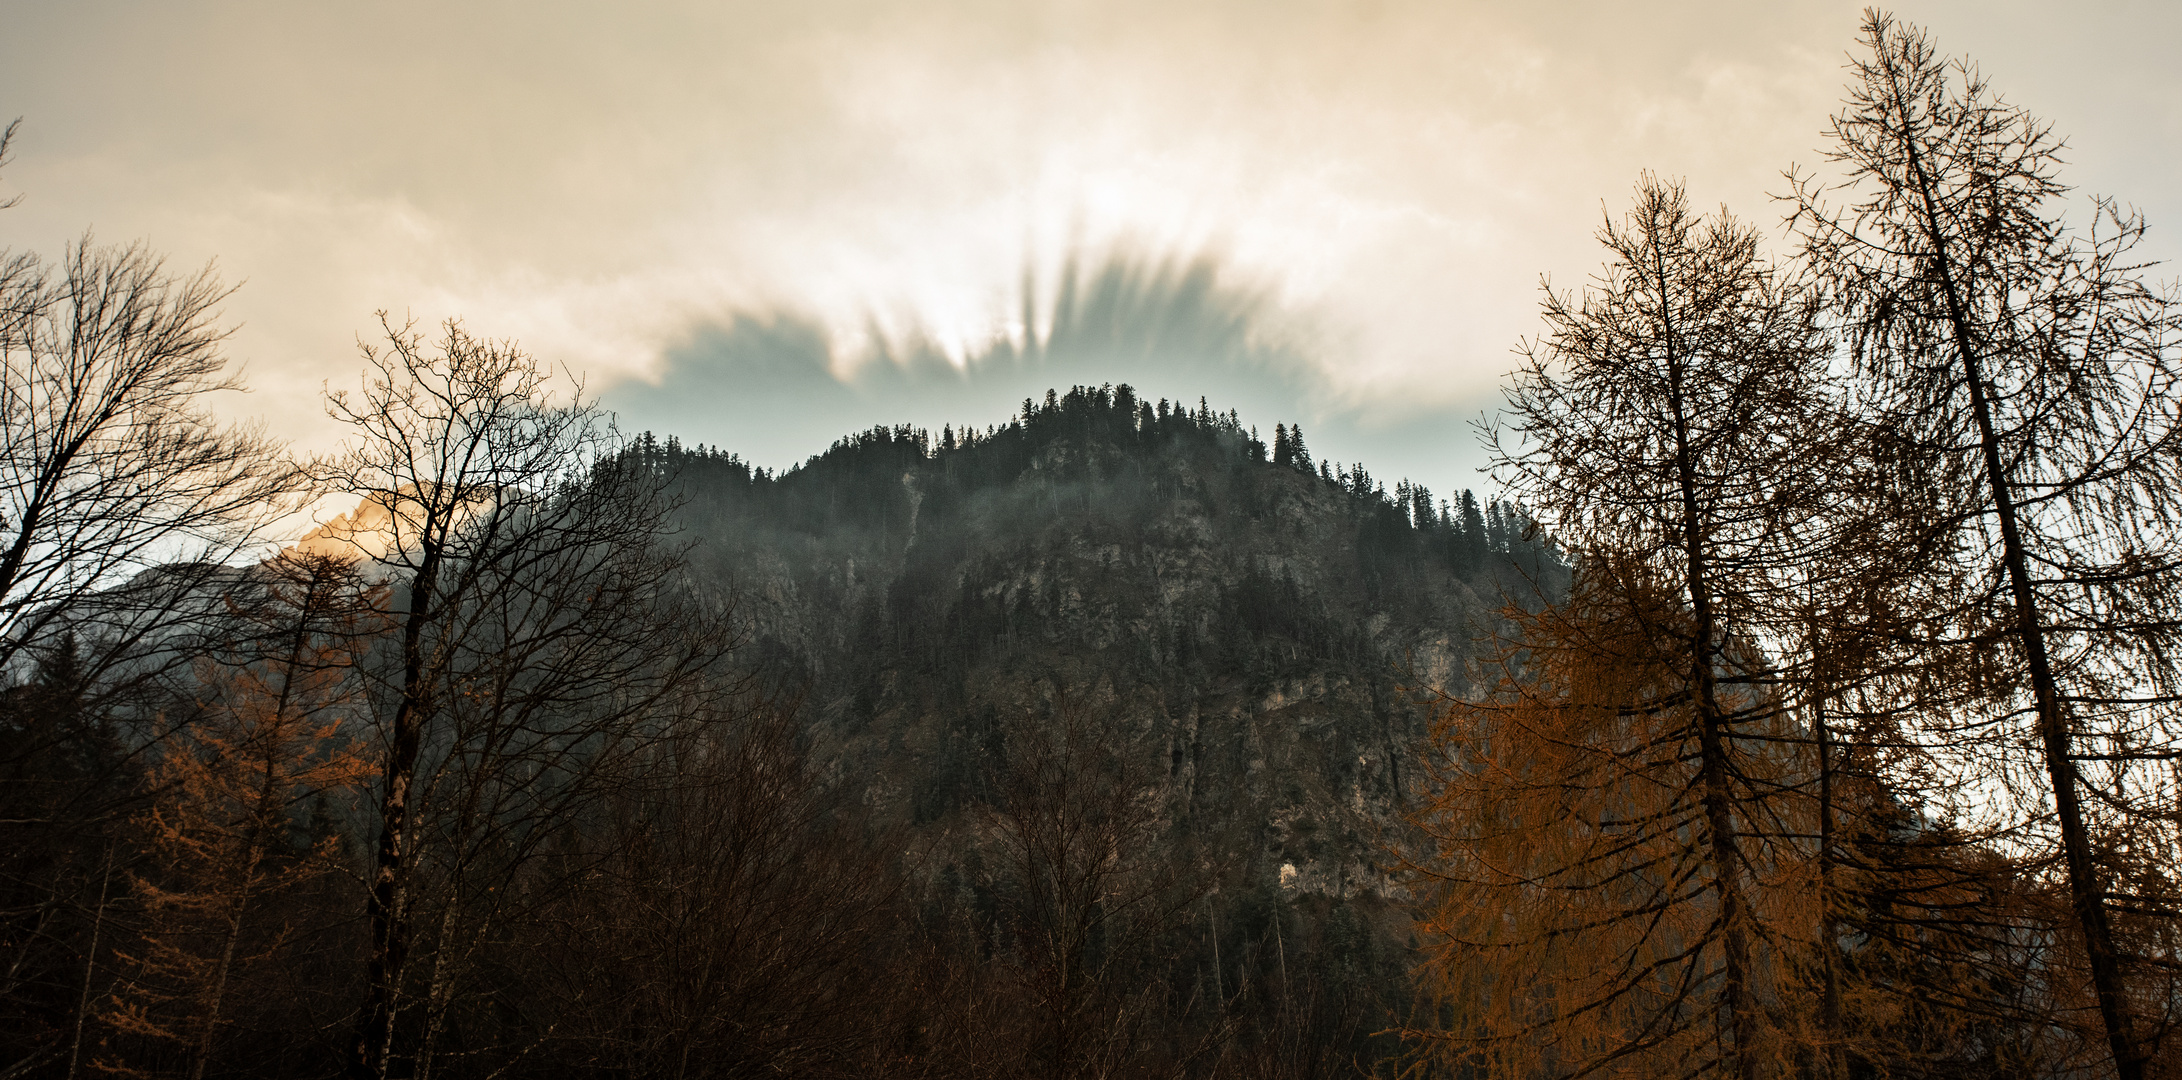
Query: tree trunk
(2085, 892)
(90, 961)
(1712, 725)
(389, 900)
(1828, 936)
(213, 996)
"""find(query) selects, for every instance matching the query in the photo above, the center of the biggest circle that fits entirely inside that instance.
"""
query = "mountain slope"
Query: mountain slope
(1245, 632)
(1256, 621)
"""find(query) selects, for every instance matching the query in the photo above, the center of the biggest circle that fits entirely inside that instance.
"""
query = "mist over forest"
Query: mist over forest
(1798, 696)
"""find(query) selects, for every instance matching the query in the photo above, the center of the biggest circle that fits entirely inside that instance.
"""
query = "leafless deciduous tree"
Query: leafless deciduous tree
(110, 463)
(120, 498)
(7, 135)
(1083, 890)
(725, 915)
(539, 636)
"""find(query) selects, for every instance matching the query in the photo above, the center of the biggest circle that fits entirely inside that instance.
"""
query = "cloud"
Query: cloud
(778, 386)
(629, 191)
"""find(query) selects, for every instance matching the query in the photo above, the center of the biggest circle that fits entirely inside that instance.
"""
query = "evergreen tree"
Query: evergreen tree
(1470, 555)
(1299, 455)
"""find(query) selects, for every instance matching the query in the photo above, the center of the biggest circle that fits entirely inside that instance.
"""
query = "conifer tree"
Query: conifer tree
(1665, 427)
(267, 741)
(1575, 921)
(1471, 555)
(2032, 376)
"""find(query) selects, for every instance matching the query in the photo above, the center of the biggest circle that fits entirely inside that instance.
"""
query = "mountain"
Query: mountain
(1250, 632)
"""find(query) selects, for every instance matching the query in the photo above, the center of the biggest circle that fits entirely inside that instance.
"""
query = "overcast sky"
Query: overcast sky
(764, 225)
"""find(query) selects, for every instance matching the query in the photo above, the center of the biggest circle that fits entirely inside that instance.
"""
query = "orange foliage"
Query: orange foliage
(223, 836)
(1573, 916)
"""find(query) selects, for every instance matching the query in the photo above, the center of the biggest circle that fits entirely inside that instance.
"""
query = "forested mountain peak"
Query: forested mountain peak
(1096, 435)
(1229, 633)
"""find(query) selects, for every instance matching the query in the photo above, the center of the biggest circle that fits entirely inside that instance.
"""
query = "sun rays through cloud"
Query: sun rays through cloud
(1371, 192)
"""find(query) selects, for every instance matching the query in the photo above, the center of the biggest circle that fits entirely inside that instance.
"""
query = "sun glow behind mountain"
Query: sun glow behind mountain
(1387, 180)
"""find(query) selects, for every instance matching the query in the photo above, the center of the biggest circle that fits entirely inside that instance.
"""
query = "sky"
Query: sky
(763, 226)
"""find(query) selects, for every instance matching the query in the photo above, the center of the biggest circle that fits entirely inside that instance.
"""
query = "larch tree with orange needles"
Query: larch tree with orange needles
(1618, 828)
(2035, 373)
(221, 838)
(1578, 920)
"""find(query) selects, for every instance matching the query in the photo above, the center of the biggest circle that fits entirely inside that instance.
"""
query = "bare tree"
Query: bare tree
(2034, 375)
(120, 500)
(540, 635)
(7, 136)
(110, 463)
(1086, 879)
(726, 915)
